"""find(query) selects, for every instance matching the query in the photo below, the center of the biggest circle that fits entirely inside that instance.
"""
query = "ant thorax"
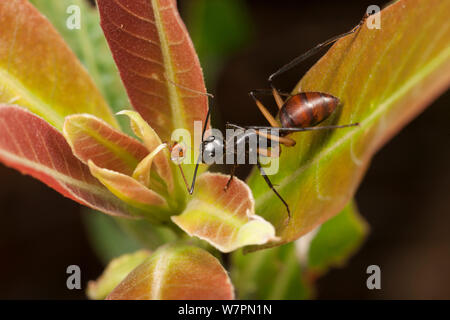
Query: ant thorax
(239, 147)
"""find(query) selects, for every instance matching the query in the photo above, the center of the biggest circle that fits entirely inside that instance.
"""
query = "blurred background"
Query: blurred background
(404, 196)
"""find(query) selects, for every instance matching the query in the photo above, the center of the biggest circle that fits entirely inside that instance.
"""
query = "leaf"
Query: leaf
(336, 240)
(89, 44)
(151, 205)
(32, 146)
(270, 274)
(384, 78)
(117, 270)
(39, 72)
(225, 219)
(93, 139)
(150, 43)
(176, 272)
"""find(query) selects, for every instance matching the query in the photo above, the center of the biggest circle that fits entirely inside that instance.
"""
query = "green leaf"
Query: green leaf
(384, 78)
(39, 72)
(176, 272)
(336, 240)
(270, 274)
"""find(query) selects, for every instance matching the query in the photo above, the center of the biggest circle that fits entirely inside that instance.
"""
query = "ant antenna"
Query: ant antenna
(313, 51)
(188, 89)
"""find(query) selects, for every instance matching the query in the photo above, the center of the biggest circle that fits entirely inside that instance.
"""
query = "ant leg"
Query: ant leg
(269, 153)
(283, 140)
(205, 125)
(313, 51)
(277, 97)
(289, 130)
(269, 92)
(288, 142)
(273, 92)
(269, 183)
(233, 169)
(264, 111)
(184, 178)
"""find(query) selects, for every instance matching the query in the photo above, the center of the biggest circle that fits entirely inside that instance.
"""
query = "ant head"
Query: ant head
(177, 152)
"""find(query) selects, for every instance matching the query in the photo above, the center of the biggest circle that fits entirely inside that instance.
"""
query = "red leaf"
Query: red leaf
(176, 272)
(149, 43)
(93, 139)
(32, 146)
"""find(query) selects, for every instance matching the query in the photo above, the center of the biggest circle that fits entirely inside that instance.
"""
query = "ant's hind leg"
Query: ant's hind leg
(288, 142)
(269, 183)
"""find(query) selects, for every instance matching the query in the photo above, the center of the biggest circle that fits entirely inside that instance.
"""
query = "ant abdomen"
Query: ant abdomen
(307, 109)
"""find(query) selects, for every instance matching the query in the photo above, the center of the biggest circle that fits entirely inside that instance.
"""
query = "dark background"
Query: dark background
(404, 196)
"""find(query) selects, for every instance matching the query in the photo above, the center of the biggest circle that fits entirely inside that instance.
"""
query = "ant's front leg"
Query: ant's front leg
(233, 169)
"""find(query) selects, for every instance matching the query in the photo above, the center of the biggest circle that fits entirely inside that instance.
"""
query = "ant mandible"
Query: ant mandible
(299, 112)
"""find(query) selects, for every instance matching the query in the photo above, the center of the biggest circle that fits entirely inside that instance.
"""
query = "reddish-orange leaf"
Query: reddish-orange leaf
(32, 146)
(38, 70)
(150, 44)
(176, 272)
(93, 139)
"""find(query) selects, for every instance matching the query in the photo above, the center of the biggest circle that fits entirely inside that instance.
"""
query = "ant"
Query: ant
(299, 112)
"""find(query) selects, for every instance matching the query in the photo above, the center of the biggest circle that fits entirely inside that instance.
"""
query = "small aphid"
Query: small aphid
(177, 152)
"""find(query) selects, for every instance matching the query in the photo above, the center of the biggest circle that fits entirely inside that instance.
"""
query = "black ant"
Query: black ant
(299, 112)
